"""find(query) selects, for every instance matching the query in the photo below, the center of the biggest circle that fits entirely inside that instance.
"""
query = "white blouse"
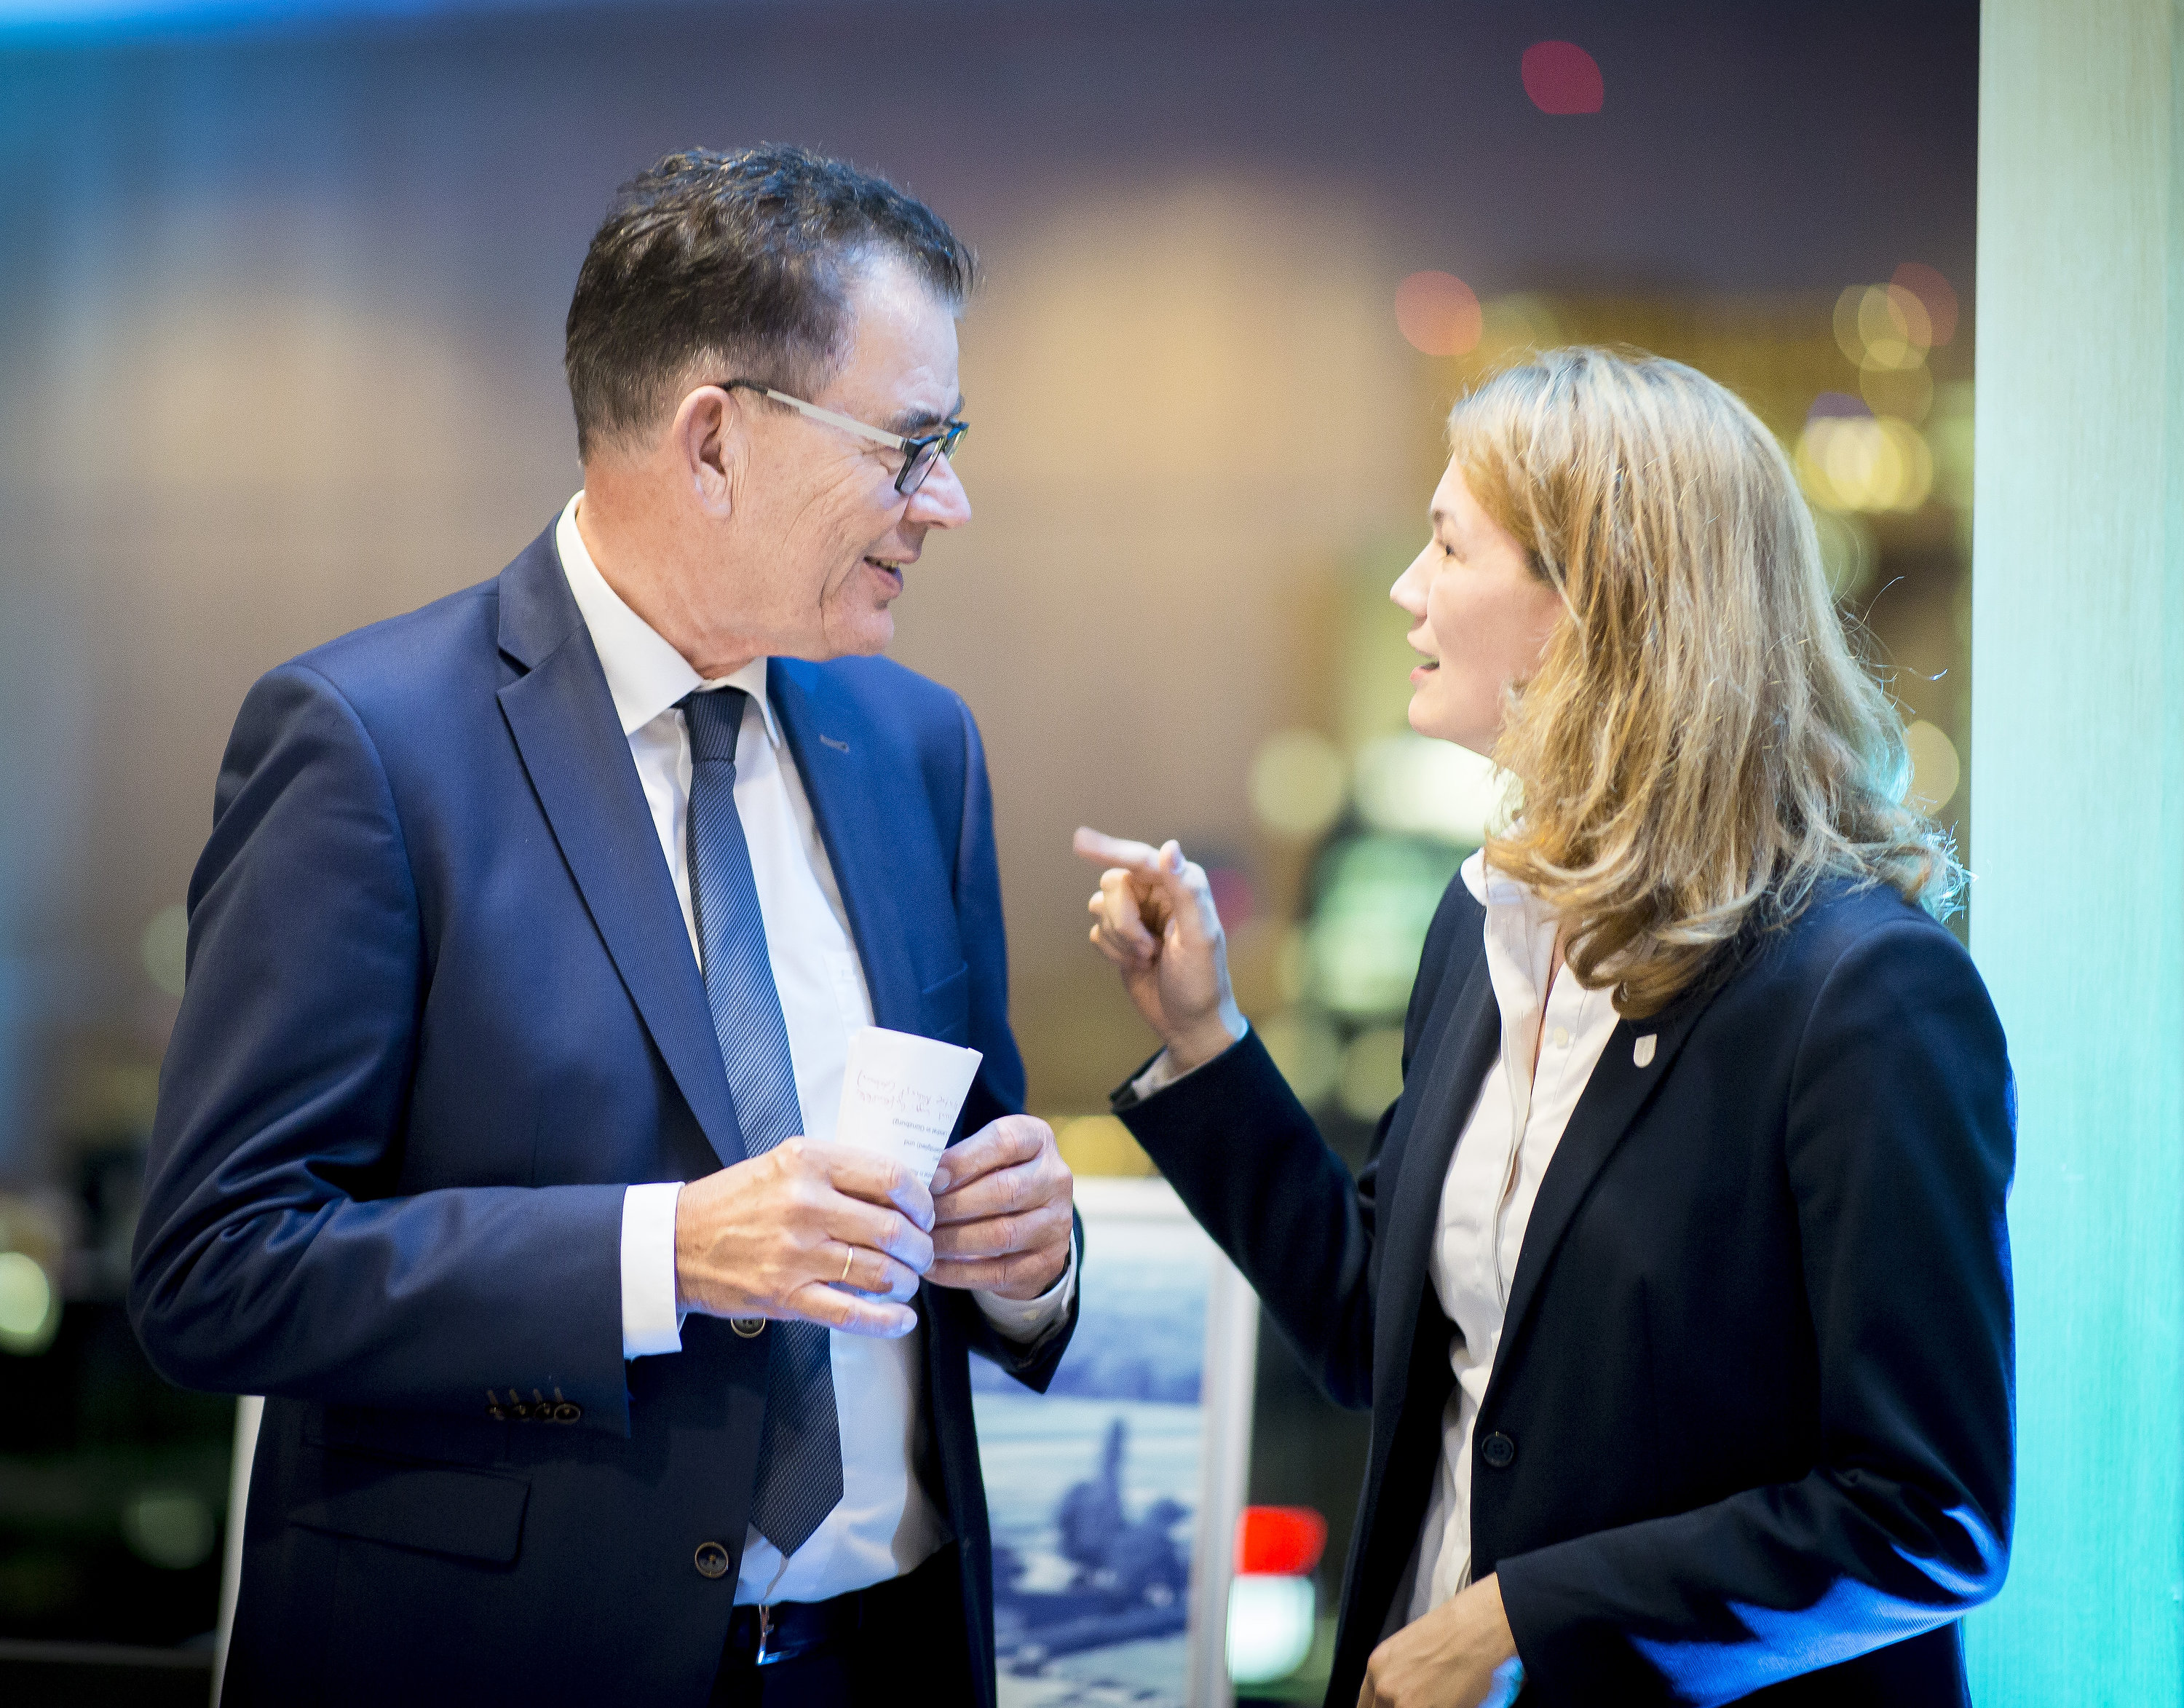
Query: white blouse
(1493, 1182)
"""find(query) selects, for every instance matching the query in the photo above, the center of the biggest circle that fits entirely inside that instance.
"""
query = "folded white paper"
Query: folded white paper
(900, 1096)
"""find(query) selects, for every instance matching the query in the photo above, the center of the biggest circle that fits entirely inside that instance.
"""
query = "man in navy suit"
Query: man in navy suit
(493, 1142)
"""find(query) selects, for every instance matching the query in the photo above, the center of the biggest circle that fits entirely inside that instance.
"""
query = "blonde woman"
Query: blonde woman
(1678, 1283)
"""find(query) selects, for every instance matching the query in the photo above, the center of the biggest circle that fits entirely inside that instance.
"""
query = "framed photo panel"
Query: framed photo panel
(1115, 1496)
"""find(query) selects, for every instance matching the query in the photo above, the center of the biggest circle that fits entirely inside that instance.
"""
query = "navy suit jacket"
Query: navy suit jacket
(441, 1011)
(1749, 1429)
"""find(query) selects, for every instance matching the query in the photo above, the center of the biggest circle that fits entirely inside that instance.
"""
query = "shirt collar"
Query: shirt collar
(1490, 889)
(644, 673)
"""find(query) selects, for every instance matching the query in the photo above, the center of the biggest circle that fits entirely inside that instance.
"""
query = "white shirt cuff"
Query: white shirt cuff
(1164, 1072)
(1024, 1321)
(650, 1323)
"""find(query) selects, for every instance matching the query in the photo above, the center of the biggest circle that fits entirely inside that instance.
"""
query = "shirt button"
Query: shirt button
(1561, 1037)
(711, 1560)
(1497, 1450)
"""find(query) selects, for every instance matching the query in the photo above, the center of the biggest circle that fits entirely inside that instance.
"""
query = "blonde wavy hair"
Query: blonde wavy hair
(1700, 746)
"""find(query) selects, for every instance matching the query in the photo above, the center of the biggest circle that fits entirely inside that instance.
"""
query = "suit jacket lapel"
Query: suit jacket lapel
(837, 755)
(1614, 1098)
(1464, 1041)
(563, 721)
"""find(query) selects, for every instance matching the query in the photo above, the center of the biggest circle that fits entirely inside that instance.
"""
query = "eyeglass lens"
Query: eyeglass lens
(922, 460)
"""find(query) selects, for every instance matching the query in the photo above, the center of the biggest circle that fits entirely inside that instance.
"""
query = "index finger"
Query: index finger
(1103, 850)
(878, 1180)
(999, 1144)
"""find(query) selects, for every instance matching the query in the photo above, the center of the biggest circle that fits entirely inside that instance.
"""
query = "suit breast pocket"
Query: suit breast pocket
(945, 1009)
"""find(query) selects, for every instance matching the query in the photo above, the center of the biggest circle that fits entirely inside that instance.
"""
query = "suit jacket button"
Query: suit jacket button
(1497, 1450)
(749, 1327)
(711, 1560)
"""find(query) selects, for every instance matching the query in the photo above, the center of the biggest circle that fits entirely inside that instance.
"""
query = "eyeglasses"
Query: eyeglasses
(919, 454)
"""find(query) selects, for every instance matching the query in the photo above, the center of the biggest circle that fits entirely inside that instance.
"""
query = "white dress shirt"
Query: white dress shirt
(1492, 1183)
(885, 1523)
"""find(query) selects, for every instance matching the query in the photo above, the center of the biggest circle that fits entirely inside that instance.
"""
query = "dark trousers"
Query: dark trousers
(909, 1640)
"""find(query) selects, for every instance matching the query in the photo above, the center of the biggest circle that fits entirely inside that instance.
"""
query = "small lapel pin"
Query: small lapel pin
(1643, 1054)
(838, 746)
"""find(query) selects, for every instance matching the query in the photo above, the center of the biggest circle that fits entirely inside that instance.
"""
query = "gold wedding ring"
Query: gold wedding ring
(848, 1258)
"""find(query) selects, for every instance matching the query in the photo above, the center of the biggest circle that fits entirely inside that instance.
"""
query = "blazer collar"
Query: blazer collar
(563, 721)
(1614, 1098)
(839, 756)
(1467, 1035)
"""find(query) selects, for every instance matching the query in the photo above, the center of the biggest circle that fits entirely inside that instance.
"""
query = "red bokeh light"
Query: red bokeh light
(1286, 1541)
(1562, 77)
(1233, 897)
(1934, 293)
(1439, 314)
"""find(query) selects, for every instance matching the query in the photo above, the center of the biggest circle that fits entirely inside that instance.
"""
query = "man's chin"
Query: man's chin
(859, 637)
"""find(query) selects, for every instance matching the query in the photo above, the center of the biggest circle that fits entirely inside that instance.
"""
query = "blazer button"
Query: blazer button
(1497, 1450)
(749, 1327)
(711, 1560)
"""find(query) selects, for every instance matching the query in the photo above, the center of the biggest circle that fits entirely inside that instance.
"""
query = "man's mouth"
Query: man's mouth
(892, 572)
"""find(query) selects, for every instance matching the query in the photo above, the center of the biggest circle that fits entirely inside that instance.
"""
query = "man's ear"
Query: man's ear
(708, 442)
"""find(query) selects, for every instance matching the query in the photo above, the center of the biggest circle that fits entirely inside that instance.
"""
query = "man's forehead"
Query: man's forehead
(902, 351)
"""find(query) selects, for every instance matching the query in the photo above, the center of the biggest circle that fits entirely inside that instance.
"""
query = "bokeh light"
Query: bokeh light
(1934, 293)
(1305, 1047)
(1863, 463)
(1378, 896)
(1438, 314)
(1883, 327)
(1299, 783)
(1372, 1076)
(1270, 1627)
(1100, 1145)
(30, 1310)
(1561, 78)
(164, 948)
(1409, 785)
(170, 1528)
(1935, 770)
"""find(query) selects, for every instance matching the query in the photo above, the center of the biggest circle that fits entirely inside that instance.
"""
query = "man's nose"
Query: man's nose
(941, 502)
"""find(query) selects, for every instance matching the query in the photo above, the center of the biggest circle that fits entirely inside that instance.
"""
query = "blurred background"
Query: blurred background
(282, 288)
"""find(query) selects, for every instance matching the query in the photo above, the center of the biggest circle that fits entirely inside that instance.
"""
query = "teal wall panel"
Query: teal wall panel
(2078, 833)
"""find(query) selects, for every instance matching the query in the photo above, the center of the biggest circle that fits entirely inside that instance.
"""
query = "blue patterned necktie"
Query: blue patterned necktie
(799, 1455)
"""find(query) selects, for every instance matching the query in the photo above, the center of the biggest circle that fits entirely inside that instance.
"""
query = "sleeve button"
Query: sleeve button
(749, 1327)
(568, 1411)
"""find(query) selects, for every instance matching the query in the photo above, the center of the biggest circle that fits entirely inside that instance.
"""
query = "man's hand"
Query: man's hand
(784, 1235)
(1001, 1207)
(1158, 927)
(1460, 1656)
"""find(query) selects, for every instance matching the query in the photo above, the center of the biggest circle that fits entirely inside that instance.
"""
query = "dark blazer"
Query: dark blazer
(441, 1010)
(1749, 1427)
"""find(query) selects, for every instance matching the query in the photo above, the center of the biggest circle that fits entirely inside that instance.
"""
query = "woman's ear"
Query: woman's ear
(708, 442)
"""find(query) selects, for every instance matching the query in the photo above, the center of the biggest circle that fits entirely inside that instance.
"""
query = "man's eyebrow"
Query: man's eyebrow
(909, 423)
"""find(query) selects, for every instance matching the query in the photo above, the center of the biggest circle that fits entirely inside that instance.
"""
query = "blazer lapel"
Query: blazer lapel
(563, 721)
(1614, 1098)
(837, 755)
(1466, 1038)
